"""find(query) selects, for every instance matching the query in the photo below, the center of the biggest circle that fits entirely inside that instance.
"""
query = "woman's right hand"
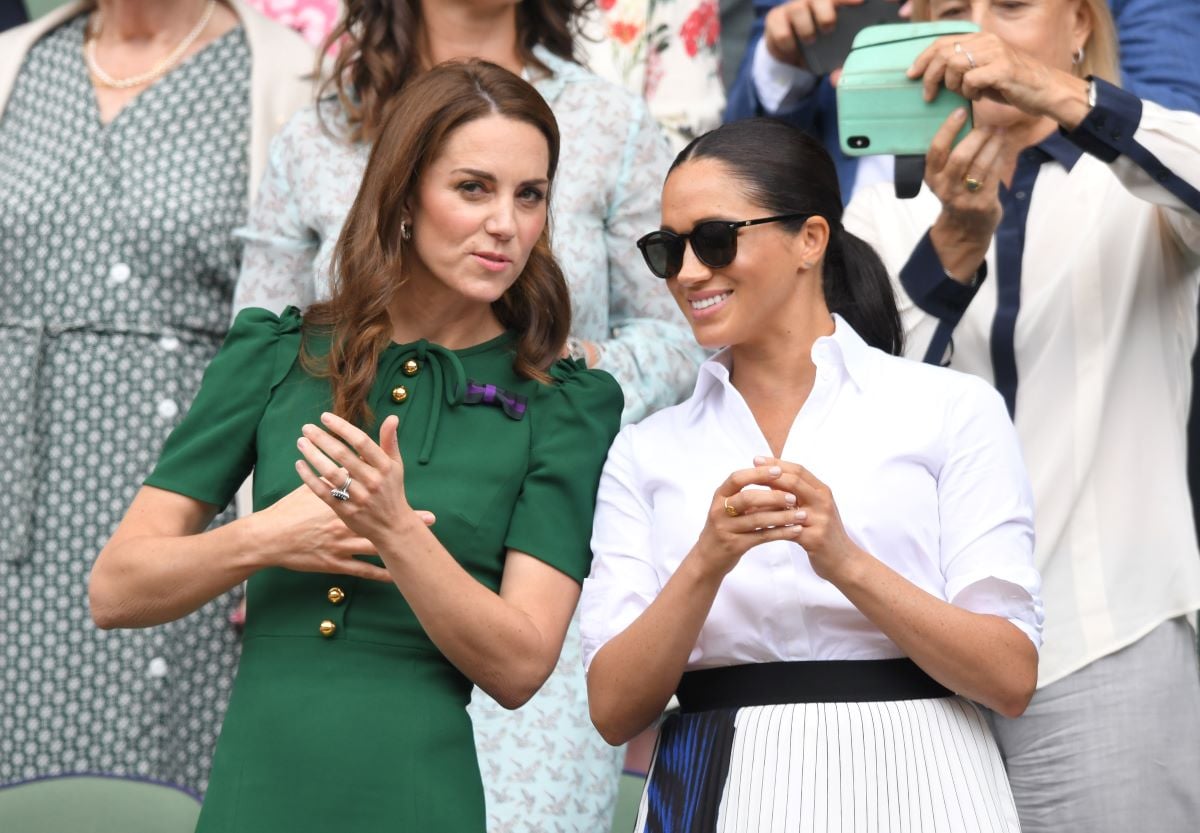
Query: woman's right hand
(789, 24)
(966, 178)
(740, 518)
(301, 533)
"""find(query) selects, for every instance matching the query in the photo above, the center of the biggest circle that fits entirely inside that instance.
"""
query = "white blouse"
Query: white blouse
(1090, 303)
(922, 461)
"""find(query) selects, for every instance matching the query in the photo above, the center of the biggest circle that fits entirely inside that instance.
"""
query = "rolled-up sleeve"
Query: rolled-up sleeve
(986, 506)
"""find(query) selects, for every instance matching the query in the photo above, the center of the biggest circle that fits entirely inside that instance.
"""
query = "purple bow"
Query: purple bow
(512, 403)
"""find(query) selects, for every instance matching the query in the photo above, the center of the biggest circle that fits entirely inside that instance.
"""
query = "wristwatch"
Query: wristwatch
(1091, 92)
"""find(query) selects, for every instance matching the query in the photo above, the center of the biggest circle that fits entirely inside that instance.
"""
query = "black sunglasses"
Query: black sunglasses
(714, 243)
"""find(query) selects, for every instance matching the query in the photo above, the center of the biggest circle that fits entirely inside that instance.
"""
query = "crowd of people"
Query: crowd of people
(414, 406)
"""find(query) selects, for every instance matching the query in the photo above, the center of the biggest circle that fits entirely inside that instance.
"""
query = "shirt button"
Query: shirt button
(119, 273)
(157, 668)
(411, 368)
(399, 393)
(336, 594)
(168, 343)
(167, 409)
(327, 628)
(1021, 195)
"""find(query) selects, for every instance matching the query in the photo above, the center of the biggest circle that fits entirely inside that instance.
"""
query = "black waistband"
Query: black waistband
(815, 681)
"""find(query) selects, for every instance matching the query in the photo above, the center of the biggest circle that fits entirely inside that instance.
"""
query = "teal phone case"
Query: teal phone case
(880, 109)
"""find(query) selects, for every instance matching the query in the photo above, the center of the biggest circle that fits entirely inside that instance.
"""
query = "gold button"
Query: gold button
(411, 367)
(399, 393)
(336, 594)
(327, 628)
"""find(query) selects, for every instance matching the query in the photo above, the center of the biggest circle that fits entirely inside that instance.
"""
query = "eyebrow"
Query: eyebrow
(478, 174)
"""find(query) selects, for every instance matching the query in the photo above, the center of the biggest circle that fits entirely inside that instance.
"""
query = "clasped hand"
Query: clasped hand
(791, 505)
(338, 454)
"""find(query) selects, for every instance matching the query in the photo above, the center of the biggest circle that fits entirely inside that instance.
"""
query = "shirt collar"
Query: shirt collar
(550, 84)
(845, 350)
(1058, 147)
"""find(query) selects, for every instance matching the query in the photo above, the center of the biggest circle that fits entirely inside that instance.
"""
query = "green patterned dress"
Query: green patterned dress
(117, 264)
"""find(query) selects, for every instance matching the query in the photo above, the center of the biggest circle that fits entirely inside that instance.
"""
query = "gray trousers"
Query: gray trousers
(1114, 747)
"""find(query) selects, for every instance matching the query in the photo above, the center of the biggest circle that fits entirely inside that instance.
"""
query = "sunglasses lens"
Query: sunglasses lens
(663, 253)
(714, 243)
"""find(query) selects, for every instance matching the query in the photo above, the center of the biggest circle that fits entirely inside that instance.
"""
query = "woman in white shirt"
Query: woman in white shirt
(866, 553)
(1055, 253)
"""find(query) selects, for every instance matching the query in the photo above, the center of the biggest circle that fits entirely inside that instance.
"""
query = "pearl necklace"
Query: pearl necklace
(159, 69)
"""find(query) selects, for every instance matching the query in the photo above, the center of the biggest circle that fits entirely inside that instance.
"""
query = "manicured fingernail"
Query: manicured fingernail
(774, 470)
(801, 515)
(960, 113)
(789, 498)
(325, 416)
(758, 461)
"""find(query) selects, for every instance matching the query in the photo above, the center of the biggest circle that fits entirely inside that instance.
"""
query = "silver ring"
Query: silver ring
(344, 492)
(958, 47)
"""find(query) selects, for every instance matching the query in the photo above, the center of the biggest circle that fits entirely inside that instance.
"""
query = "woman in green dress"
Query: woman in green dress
(473, 510)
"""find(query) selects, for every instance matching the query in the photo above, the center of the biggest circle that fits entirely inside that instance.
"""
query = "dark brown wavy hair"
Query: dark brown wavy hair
(380, 52)
(369, 259)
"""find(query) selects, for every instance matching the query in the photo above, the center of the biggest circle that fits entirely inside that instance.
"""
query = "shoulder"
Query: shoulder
(574, 388)
(16, 42)
(277, 51)
(936, 393)
(575, 92)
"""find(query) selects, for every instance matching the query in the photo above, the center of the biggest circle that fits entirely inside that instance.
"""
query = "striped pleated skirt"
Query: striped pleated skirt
(923, 761)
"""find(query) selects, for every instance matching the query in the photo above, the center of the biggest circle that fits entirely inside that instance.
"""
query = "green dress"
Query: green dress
(344, 715)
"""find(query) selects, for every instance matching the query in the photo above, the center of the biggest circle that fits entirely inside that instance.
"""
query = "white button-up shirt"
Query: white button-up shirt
(1101, 279)
(922, 462)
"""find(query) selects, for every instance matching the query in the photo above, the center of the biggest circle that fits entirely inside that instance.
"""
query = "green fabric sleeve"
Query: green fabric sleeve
(574, 422)
(212, 451)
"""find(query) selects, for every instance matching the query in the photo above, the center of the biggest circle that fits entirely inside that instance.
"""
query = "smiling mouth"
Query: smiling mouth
(712, 301)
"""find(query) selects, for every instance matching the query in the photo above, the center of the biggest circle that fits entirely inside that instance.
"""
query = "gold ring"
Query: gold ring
(729, 510)
(972, 184)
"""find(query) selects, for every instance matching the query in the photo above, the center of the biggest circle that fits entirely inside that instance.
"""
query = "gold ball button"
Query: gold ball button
(410, 367)
(399, 393)
(328, 628)
(336, 594)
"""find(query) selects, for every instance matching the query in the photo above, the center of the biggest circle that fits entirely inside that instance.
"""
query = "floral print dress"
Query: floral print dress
(667, 51)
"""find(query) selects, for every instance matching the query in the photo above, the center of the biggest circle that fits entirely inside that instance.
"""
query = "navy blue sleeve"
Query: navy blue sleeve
(925, 281)
(1107, 132)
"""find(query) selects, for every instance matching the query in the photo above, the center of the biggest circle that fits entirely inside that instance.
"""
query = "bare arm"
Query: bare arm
(508, 642)
(160, 565)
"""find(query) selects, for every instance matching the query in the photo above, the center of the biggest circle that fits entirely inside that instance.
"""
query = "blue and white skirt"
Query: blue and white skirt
(904, 756)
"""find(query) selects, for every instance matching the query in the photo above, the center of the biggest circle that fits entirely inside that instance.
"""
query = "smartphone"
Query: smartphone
(829, 51)
(880, 109)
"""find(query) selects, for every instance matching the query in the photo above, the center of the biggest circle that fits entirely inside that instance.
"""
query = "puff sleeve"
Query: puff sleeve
(212, 450)
(574, 421)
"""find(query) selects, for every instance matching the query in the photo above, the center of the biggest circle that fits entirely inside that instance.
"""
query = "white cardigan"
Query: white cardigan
(281, 72)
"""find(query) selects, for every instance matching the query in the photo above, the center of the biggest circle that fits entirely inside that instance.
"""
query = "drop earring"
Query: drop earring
(405, 230)
(1077, 56)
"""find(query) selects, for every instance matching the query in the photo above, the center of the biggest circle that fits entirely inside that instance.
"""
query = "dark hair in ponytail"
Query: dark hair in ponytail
(786, 171)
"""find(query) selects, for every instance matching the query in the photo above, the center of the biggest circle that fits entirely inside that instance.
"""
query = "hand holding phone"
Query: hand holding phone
(816, 34)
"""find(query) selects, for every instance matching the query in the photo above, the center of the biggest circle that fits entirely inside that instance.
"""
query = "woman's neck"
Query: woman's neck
(454, 325)
(453, 29)
(775, 373)
(133, 21)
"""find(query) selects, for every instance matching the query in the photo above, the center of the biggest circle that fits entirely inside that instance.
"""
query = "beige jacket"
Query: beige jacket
(280, 74)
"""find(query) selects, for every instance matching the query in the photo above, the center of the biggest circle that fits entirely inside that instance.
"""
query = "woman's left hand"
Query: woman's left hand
(377, 503)
(830, 550)
(981, 65)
